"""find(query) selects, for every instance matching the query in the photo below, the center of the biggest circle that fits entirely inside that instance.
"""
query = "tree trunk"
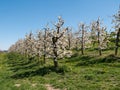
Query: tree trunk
(69, 43)
(54, 39)
(100, 51)
(82, 47)
(76, 46)
(117, 42)
(82, 44)
(44, 58)
(44, 48)
(55, 57)
(116, 50)
(55, 62)
(82, 51)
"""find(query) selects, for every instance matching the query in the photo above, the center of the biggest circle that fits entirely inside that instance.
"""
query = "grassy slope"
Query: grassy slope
(76, 73)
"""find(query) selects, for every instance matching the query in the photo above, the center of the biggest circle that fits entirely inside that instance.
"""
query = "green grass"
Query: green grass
(87, 72)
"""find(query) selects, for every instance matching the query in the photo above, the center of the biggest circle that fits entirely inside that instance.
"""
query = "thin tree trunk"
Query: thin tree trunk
(100, 51)
(82, 49)
(55, 62)
(117, 42)
(54, 39)
(98, 36)
(44, 58)
(69, 39)
(55, 57)
(44, 48)
(116, 50)
(69, 43)
(82, 45)
(76, 45)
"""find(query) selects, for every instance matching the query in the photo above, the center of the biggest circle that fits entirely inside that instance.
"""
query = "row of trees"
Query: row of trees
(59, 42)
(50, 43)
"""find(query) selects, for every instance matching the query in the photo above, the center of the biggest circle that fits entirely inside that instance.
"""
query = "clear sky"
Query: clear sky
(18, 17)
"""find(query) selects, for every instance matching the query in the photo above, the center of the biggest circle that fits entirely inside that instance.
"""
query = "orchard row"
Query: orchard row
(60, 41)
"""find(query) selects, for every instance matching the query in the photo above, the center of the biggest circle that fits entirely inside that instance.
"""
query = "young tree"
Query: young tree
(98, 33)
(76, 41)
(82, 32)
(38, 44)
(29, 45)
(116, 21)
(93, 35)
(56, 36)
(46, 42)
(84, 36)
(42, 44)
(69, 38)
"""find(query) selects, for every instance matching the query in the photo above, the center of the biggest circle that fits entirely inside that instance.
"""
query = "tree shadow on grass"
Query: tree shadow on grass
(26, 67)
(79, 58)
(108, 59)
(32, 68)
(40, 72)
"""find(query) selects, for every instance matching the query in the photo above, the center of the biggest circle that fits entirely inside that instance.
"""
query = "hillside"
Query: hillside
(79, 72)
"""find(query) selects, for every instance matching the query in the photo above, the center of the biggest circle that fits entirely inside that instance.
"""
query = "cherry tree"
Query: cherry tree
(29, 45)
(93, 35)
(42, 43)
(69, 36)
(58, 41)
(83, 37)
(116, 21)
(76, 41)
(99, 35)
(17, 47)
(38, 44)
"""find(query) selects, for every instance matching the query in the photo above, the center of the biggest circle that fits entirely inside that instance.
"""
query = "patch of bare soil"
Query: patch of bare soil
(49, 87)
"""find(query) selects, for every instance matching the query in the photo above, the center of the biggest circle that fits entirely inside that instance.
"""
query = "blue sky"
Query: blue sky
(18, 17)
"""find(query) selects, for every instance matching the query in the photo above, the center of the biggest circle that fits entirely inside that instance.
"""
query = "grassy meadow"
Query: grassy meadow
(79, 72)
